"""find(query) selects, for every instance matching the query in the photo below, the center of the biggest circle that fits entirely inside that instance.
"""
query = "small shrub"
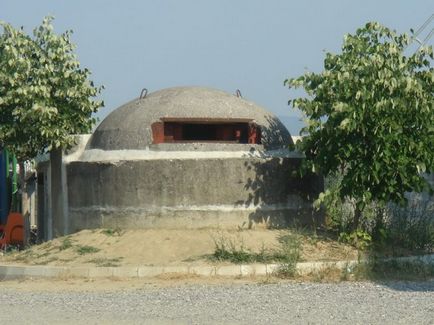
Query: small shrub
(229, 250)
(339, 215)
(82, 250)
(411, 227)
(66, 243)
(290, 248)
(394, 270)
(289, 255)
(358, 238)
(112, 232)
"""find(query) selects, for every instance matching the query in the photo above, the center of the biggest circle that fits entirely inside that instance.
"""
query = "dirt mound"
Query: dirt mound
(115, 247)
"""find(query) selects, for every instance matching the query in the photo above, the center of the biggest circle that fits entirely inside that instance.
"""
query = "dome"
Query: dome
(134, 126)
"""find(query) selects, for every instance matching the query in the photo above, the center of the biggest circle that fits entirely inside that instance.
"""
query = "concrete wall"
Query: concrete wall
(44, 196)
(188, 193)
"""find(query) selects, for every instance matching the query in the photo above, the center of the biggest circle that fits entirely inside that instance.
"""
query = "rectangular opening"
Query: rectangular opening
(206, 130)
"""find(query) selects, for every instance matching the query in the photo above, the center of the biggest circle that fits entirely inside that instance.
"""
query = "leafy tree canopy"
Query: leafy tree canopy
(45, 96)
(371, 116)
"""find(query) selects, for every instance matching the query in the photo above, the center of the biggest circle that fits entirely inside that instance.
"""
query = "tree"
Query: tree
(45, 96)
(370, 117)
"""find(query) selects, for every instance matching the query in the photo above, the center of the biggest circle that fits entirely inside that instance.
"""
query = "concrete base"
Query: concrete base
(187, 185)
(191, 217)
(189, 193)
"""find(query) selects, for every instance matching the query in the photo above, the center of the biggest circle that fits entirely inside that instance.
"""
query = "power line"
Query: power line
(421, 29)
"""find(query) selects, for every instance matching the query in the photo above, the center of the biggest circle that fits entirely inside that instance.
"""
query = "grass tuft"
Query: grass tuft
(106, 262)
(288, 254)
(112, 232)
(82, 250)
(65, 244)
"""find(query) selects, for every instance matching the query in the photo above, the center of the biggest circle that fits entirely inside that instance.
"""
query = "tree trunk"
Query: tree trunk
(357, 217)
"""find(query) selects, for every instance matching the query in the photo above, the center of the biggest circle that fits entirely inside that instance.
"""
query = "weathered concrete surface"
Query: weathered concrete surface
(118, 178)
(183, 152)
(129, 126)
(188, 193)
(59, 200)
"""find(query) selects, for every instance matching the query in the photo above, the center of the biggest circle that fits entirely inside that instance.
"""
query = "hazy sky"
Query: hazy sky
(252, 45)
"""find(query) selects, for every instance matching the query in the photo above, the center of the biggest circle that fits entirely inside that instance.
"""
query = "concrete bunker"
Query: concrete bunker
(185, 157)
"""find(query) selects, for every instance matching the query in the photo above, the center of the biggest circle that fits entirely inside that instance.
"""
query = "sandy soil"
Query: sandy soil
(108, 247)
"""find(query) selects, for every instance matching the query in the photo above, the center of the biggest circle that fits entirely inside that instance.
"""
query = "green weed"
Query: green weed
(65, 244)
(82, 250)
(288, 253)
(106, 262)
(112, 232)
(228, 250)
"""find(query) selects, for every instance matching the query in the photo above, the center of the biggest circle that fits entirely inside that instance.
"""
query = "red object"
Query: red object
(158, 132)
(12, 233)
(254, 134)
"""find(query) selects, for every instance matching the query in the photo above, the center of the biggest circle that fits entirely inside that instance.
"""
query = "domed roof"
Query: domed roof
(129, 126)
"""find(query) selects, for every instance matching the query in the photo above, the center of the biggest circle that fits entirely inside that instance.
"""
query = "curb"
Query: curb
(9, 272)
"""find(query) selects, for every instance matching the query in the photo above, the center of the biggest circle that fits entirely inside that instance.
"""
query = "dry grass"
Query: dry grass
(169, 247)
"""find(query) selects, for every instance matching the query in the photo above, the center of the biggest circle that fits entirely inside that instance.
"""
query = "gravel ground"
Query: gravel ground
(284, 303)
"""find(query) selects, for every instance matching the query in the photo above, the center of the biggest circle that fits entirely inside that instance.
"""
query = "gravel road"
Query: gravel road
(284, 303)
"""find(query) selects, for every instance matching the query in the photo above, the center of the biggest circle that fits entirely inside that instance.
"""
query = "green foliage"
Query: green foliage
(410, 228)
(82, 250)
(288, 254)
(392, 229)
(370, 117)
(358, 238)
(45, 96)
(290, 250)
(339, 214)
(112, 232)
(65, 244)
(377, 269)
(228, 251)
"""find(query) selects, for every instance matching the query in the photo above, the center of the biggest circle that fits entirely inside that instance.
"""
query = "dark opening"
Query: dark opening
(213, 132)
(198, 130)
